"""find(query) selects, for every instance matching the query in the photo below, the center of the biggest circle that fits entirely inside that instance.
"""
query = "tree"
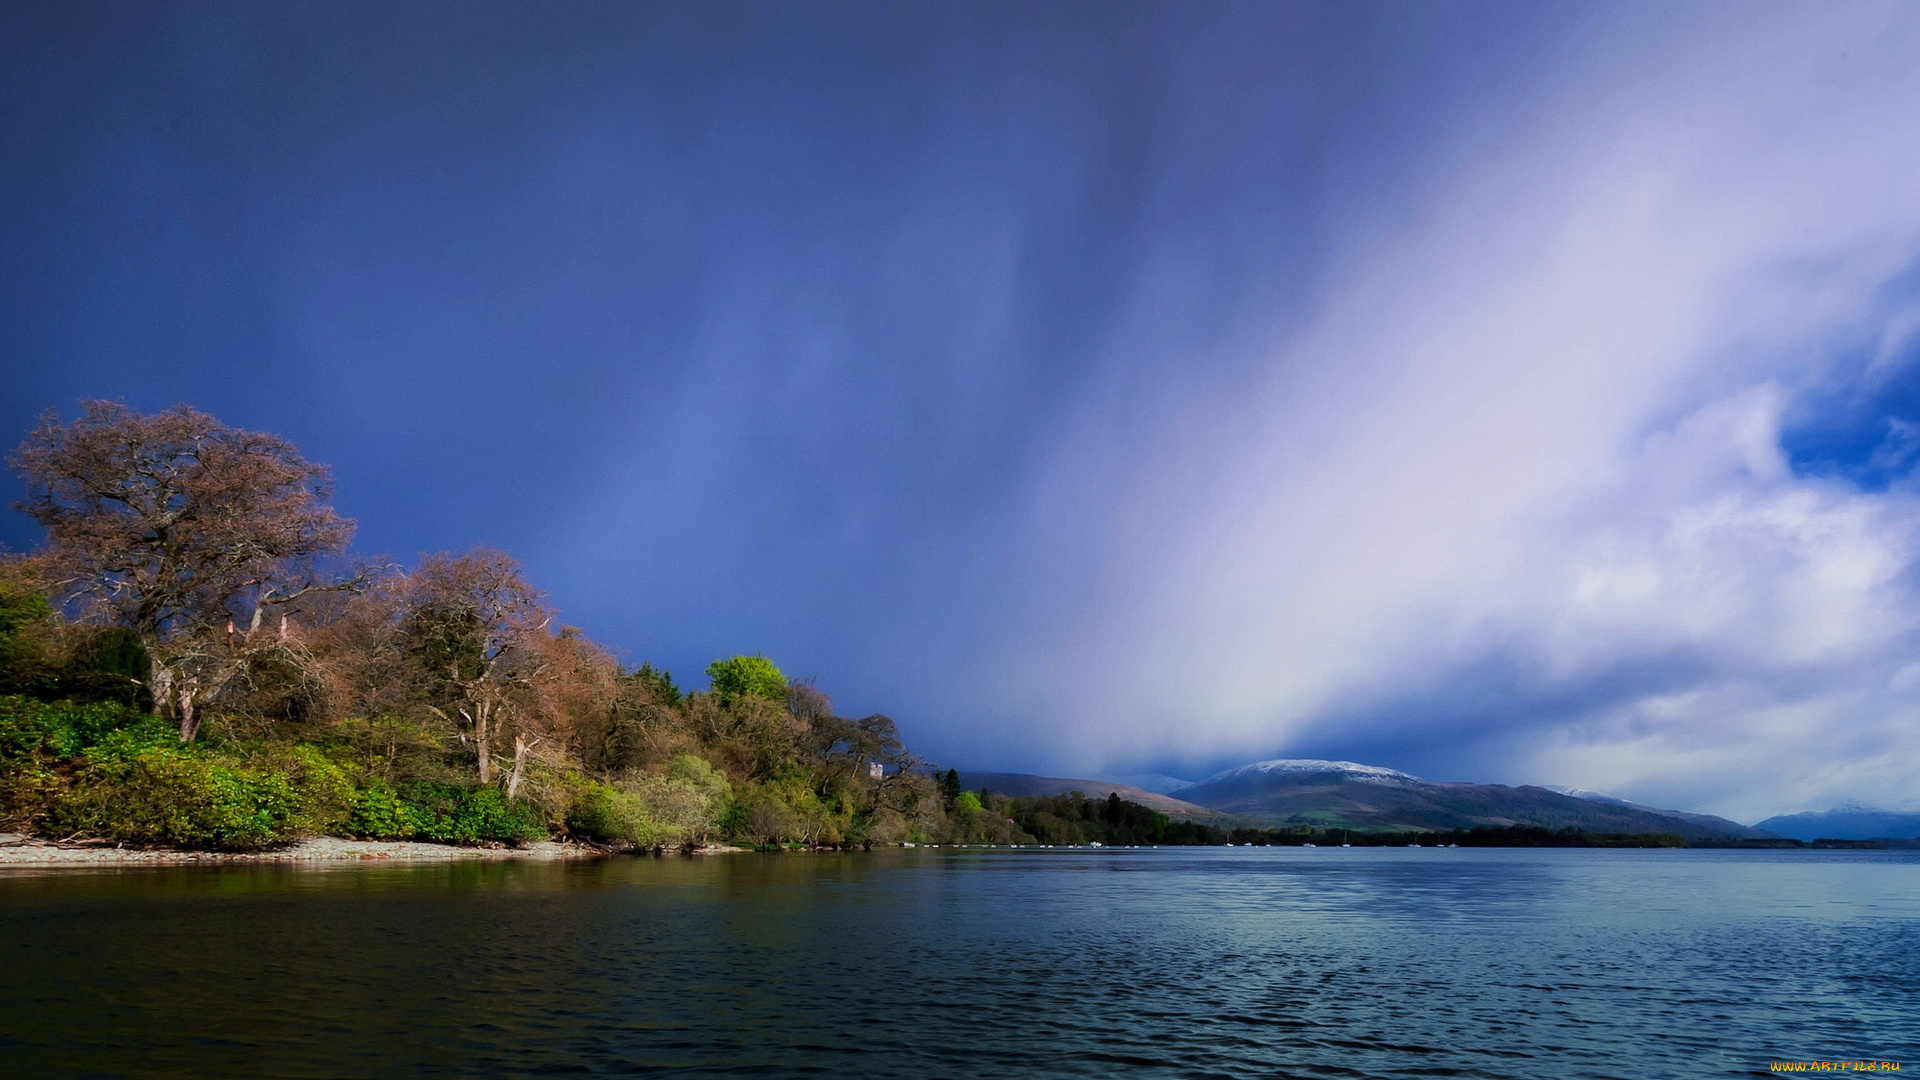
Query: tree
(25, 628)
(479, 632)
(746, 676)
(661, 684)
(173, 525)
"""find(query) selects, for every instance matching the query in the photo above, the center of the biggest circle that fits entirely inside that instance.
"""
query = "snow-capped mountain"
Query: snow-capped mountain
(1348, 794)
(1310, 767)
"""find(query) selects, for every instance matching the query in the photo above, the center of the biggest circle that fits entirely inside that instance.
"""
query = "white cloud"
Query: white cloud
(1539, 418)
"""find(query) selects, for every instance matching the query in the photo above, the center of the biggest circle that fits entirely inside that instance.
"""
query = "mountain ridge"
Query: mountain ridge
(1845, 823)
(1347, 794)
(1023, 785)
(1355, 795)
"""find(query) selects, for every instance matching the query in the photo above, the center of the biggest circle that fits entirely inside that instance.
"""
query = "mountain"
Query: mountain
(1351, 795)
(1023, 784)
(1845, 823)
(1158, 783)
(1731, 828)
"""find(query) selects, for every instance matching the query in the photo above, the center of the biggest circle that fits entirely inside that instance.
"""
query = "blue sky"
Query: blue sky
(1513, 392)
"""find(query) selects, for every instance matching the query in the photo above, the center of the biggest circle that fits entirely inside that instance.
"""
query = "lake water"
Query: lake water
(973, 963)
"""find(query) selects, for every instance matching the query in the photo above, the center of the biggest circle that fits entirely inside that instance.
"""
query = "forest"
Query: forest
(196, 657)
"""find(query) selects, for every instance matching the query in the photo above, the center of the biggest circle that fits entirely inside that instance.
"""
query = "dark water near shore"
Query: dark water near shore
(973, 963)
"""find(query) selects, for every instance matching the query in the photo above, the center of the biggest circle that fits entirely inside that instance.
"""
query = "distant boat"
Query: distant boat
(1309, 845)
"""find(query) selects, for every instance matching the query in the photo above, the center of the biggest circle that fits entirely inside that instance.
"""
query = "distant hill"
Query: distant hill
(1024, 784)
(1348, 794)
(1731, 828)
(1846, 823)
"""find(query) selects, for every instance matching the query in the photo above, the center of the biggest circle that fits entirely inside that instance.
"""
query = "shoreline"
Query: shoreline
(26, 852)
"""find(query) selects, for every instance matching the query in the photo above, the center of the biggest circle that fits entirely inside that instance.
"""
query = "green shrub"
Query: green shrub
(453, 814)
(324, 796)
(379, 813)
(689, 800)
(140, 786)
(786, 810)
(171, 795)
(611, 815)
(38, 740)
(62, 729)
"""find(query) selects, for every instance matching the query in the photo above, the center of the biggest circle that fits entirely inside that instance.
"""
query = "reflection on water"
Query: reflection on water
(964, 963)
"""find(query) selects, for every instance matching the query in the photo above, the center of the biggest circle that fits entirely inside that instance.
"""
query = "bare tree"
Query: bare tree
(479, 632)
(176, 525)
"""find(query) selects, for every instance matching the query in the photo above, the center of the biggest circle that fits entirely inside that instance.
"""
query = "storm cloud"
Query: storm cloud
(1518, 393)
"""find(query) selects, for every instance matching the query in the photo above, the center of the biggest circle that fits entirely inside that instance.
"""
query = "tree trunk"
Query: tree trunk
(189, 725)
(159, 682)
(519, 759)
(480, 744)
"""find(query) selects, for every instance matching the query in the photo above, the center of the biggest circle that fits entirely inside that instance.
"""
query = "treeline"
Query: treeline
(195, 658)
(1075, 820)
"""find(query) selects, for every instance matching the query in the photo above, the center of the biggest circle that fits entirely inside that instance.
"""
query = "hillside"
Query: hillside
(1847, 823)
(1346, 794)
(1025, 785)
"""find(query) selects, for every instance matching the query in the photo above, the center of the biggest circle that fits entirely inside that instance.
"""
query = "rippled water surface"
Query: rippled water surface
(973, 963)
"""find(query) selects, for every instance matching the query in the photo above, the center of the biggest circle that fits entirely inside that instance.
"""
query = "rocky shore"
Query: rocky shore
(25, 851)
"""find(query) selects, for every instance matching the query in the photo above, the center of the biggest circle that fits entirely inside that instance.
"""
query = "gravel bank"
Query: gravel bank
(22, 851)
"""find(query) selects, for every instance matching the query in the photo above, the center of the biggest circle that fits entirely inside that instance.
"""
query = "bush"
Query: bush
(786, 810)
(689, 800)
(61, 729)
(168, 795)
(445, 813)
(140, 786)
(379, 813)
(610, 815)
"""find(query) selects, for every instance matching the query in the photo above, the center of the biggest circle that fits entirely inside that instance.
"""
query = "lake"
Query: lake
(1203, 962)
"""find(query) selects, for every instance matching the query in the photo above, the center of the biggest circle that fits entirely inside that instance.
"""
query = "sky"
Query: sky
(1519, 393)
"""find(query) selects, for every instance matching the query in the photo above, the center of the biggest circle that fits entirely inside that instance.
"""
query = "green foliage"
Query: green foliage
(443, 813)
(60, 729)
(661, 683)
(967, 800)
(1075, 819)
(379, 813)
(108, 664)
(391, 748)
(690, 799)
(24, 612)
(137, 787)
(604, 813)
(787, 809)
(746, 676)
(950, 786)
